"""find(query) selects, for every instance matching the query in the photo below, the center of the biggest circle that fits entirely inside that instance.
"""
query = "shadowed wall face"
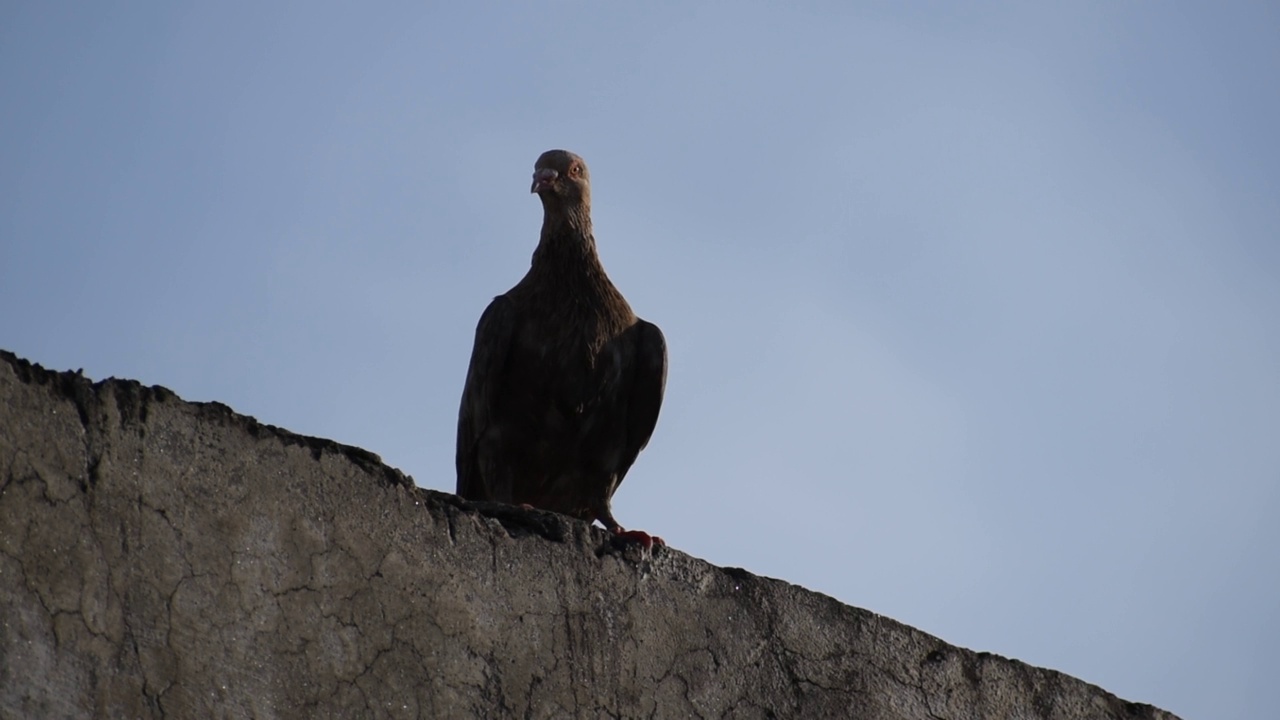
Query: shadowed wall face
(160, 558)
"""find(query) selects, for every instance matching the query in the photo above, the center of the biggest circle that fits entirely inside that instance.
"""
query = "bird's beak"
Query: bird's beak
(542, 179)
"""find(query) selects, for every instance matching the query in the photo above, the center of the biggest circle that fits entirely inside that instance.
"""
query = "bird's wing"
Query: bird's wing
(647, 386)
(494, 334)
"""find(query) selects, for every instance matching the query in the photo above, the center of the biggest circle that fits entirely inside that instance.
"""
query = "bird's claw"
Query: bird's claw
(646, 540)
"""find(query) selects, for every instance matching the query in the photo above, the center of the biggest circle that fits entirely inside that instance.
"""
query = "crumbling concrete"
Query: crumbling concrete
(160, 558)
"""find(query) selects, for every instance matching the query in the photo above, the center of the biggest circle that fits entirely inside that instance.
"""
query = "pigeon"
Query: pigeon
(565, 381)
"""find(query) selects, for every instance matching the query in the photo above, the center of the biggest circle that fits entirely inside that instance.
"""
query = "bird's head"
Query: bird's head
(561, 177)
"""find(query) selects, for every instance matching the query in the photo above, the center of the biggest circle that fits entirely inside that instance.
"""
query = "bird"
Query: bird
(565, 382)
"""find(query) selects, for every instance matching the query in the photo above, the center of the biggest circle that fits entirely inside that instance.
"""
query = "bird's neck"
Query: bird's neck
(567, 274)
(567, 221)
(567, 238)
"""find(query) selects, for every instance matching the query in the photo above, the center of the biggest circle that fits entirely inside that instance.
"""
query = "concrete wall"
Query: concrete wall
(160, 558)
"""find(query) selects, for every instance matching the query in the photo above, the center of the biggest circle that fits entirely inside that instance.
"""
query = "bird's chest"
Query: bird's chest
(573, 367)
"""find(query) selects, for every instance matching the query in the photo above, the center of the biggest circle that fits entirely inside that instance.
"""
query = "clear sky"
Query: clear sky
(973, 309)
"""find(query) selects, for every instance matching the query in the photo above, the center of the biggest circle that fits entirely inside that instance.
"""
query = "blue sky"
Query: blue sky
(972, 310)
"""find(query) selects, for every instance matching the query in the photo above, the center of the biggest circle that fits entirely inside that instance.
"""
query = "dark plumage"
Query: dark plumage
(565, 382)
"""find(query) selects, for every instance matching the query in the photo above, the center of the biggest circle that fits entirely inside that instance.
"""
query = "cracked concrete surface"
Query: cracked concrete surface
(160, 558)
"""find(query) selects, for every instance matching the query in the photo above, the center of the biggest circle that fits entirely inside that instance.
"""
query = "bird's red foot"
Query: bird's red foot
(639, 536)
(527, 506)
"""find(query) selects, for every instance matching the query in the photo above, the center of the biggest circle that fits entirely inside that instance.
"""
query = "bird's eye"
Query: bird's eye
(576, 170)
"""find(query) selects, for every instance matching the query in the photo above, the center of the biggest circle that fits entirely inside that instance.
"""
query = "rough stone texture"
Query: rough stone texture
(160, 558)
